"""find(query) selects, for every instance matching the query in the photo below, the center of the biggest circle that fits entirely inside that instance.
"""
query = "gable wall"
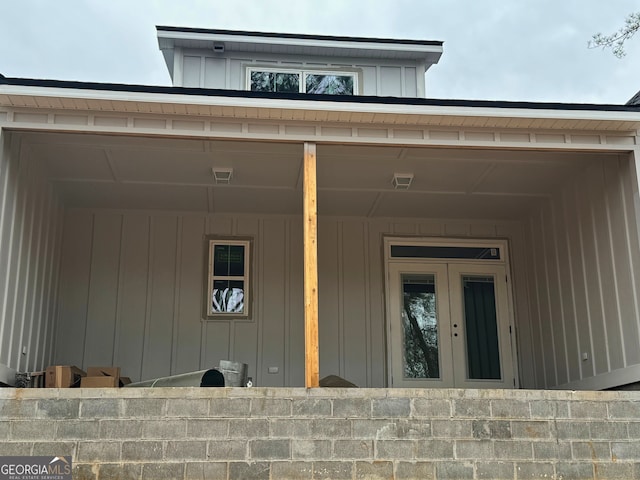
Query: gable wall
(204, 69)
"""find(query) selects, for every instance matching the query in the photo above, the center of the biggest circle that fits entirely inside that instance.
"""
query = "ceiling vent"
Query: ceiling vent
(222, 176)
(402, 181)
(218, 47)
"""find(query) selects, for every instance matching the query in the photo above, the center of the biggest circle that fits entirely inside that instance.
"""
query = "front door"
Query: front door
(449, 325)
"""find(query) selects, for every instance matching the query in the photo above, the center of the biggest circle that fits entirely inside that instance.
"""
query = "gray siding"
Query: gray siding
(583, 278)
(30, 218)
(131, 294)
(227, 71)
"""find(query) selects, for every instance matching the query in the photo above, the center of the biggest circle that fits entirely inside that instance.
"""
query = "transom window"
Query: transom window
(228, 292)
(301, 81)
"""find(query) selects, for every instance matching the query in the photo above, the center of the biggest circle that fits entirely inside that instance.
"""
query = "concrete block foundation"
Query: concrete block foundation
(294, 433)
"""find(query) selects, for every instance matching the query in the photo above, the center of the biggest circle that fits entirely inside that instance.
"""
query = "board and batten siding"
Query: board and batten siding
(227, 71)
(584, 281)
(30, 226)
(131, 294)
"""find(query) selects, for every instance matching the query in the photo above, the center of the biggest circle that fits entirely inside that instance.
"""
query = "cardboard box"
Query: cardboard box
(63, 376)
(103, 372)
(99, 382)
(102, 377)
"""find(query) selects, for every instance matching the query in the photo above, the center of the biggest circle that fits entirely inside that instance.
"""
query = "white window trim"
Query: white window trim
(211, 242)
(303, 72)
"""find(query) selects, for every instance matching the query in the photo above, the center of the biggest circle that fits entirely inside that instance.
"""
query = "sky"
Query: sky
(521, 50)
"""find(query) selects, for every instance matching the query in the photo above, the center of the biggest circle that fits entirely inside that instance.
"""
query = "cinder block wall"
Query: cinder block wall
(269, 433)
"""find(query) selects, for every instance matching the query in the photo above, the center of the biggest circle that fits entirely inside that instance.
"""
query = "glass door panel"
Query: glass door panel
(421, 331)
(420, 326)
(479, 304)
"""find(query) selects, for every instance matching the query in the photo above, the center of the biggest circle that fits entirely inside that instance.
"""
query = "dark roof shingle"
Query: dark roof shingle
(635, 100)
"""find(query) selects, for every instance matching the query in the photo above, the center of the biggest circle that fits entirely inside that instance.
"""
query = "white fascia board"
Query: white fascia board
(303, 42)
(320, 106)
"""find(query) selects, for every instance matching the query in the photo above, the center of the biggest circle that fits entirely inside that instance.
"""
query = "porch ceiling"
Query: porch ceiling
(119, 172)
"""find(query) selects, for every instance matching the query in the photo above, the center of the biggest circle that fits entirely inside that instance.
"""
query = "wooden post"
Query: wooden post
(312, 358)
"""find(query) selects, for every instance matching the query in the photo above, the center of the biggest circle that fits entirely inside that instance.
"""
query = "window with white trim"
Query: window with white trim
(228, 278)
(301, 81)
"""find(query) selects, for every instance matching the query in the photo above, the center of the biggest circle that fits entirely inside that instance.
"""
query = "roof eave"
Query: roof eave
(169, 32)
(429, 51)
(419, 110)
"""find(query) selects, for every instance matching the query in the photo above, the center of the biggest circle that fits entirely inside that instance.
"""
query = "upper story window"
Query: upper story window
(301, 81)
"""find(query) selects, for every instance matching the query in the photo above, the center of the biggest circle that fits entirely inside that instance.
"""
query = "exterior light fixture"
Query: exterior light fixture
(222, 176)
(402, 181)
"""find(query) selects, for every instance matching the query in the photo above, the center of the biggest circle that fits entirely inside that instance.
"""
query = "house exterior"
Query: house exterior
(442, 243)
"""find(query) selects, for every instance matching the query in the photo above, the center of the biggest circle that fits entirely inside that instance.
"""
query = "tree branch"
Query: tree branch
(616, 40)
(418, 333)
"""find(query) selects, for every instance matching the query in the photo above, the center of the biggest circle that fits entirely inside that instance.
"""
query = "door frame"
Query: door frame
(503, 260)
(445, 342)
